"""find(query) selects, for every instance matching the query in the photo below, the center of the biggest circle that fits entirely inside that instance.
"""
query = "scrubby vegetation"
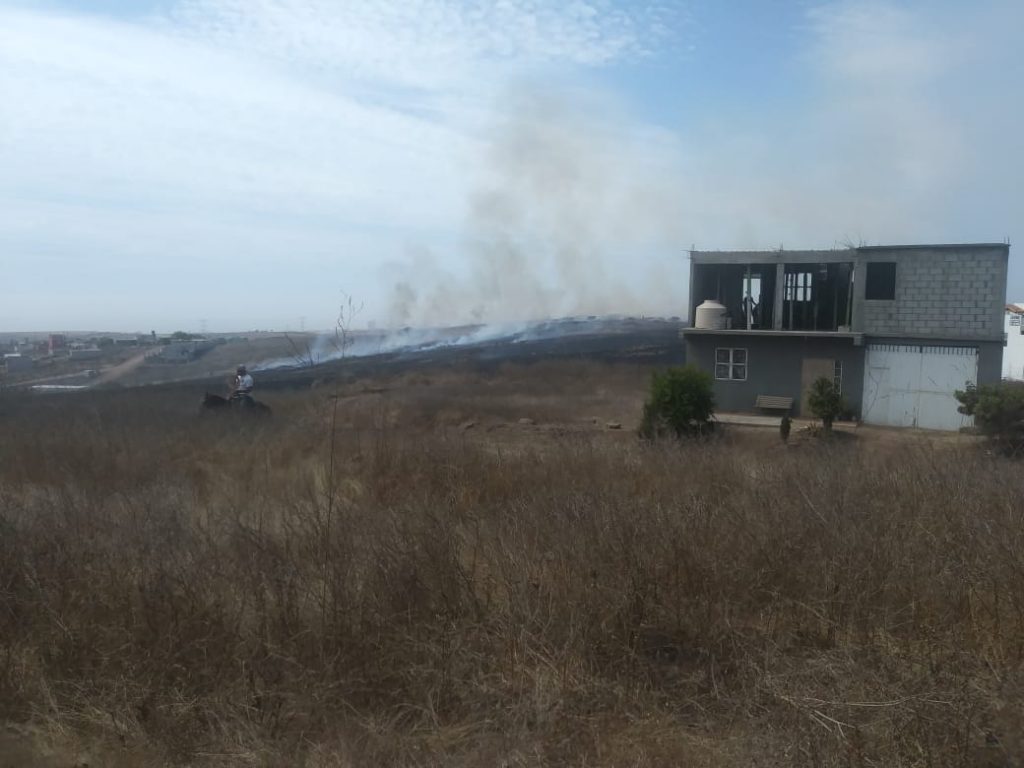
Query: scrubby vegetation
(998, 411)
(825, 401)
(680, 403)
(173, 592)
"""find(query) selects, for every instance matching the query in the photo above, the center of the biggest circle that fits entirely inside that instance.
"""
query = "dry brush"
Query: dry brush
(218, 594)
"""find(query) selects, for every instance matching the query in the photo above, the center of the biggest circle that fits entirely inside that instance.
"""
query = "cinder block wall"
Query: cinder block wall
(941, 292)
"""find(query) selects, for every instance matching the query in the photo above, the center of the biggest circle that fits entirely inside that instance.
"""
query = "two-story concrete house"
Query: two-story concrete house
(898, 328)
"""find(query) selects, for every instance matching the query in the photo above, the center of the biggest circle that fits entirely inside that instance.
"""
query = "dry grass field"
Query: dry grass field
(400, 571)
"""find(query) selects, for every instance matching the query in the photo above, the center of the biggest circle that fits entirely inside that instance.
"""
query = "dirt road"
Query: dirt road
(122, 369)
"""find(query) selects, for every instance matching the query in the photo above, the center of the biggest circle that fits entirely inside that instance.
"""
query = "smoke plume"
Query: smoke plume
(572, 210)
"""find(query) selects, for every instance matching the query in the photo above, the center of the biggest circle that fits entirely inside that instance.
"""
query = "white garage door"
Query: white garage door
(912, 385)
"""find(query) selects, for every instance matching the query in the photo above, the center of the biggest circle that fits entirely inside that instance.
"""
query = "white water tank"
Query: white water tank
(710, 316)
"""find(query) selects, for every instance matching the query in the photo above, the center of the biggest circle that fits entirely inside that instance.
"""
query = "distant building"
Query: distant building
(17, 363)
(181, 351)
(1013, 353)
(56, 342)
(85, 353)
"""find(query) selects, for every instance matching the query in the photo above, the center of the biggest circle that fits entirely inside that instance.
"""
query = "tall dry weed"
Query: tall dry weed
(223, 593)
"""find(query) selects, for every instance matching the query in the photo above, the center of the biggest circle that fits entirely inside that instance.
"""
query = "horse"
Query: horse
(246, 405)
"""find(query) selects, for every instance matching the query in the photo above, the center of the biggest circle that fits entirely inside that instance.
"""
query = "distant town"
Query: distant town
(71, 361)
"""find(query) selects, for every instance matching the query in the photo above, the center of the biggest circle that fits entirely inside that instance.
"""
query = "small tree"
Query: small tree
(825, 401)
(998, 411)
(680, 403)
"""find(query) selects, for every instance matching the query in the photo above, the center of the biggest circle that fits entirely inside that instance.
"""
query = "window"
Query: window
(837, 375)
(731, 364)
(1014, 319)
(798, 286)
(880, 284)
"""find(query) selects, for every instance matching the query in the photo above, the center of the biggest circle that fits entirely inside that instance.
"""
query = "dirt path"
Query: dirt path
(121, 369)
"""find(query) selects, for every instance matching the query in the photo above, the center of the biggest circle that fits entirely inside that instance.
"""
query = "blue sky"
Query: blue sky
(248, 162)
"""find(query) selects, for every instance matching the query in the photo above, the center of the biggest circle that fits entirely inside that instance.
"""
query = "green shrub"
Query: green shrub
(825, 401)
(680, 403)
(998, 411)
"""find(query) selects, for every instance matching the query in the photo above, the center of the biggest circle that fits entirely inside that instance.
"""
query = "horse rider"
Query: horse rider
(243, 385)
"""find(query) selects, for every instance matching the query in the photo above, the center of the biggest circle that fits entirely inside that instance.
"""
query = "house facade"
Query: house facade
(897, 328)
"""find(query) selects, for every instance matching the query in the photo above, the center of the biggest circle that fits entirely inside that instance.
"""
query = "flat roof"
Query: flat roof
(771, 257)
(930, 246)
(808, 251)
(777, 251)
(829, 255)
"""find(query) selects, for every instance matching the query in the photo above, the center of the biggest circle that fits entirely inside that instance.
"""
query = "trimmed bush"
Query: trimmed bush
(681, 403)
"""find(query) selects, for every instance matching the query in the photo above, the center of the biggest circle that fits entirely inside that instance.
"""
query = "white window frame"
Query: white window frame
(837, 375)
(735, 360)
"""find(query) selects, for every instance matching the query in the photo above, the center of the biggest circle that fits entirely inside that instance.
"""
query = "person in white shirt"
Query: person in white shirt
(243, 384)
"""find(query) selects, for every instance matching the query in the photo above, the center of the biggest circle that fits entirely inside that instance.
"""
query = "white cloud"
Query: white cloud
(427, 44)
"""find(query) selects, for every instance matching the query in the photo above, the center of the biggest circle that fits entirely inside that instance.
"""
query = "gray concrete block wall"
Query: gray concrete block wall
(940, 293)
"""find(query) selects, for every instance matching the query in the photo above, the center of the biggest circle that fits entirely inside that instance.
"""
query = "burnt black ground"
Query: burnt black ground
(647, 342)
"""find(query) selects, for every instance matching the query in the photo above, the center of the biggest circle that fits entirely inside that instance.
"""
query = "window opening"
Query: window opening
(811, 296)
(880, 283)
(752, 301)
(798, 286)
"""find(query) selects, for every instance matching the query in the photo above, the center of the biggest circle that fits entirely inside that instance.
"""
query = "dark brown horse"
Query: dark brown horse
(244, 405)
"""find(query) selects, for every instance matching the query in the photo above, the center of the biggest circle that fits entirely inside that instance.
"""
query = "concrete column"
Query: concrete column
(693, 296)
(780, 295)
(860, 273)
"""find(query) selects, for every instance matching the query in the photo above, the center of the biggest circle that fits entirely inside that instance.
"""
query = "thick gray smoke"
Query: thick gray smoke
(573, 214)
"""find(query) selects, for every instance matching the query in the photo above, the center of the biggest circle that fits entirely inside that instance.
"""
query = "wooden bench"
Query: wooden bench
(771, 402)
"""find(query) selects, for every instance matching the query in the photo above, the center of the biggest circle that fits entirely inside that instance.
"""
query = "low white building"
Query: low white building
(85, 353)
(1013, 354)
(181, 351)
(17, 363)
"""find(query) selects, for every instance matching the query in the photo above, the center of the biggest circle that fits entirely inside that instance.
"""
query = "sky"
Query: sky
(254, 164)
